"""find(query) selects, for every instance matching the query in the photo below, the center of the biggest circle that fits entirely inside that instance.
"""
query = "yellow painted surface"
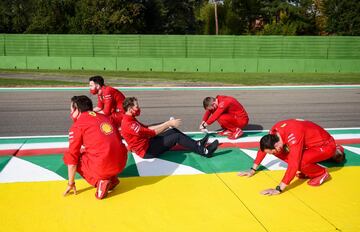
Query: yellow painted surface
(223, 202)
(175, 203)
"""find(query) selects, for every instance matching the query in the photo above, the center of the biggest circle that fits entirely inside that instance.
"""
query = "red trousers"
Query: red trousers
(232, 122)
(312, 156)
(84, 171)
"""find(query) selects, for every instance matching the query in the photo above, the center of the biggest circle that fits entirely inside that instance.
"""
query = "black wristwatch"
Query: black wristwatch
(253, 169)
(278, 188)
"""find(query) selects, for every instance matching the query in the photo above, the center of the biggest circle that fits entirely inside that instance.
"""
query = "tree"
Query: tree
(107, 16)
(51, 16)
(180, 16)
(14, 16)
(241, 15)
(206, 18)
(342, 16)
(155, 17)
(289, 17)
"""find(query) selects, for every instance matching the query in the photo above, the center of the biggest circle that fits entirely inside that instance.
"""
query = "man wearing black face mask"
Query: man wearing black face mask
(151, 141)
(109, 99)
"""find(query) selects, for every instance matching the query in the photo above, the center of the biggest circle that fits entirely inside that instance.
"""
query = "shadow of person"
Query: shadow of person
(253, 127)
(296, 182)
(78, 191)
(131, 183)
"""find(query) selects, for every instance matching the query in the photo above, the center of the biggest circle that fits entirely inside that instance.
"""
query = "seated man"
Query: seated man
(109, 99)
(229, 113)
(151, 141)
(104, 156)
(301, 144)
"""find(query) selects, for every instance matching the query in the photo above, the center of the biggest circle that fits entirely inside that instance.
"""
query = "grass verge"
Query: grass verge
(76, 78)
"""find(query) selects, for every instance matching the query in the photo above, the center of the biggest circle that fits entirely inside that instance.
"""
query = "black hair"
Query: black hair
(268, 142)
(208, 101)
(82, 103)
(98, 80)
(129, 102)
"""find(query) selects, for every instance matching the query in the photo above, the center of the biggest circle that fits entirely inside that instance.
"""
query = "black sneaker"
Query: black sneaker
(209, 150)
(202, 142)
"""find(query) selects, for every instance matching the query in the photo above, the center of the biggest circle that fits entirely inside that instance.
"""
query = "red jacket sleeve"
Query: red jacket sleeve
(206, 115)
(259, 157)
(294, 158)
(139, 129)
(72, 156)
(100, 102)
(107, 96)
(220, 109)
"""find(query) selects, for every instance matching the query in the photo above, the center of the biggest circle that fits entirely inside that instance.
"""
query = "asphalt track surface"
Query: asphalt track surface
(33, 113)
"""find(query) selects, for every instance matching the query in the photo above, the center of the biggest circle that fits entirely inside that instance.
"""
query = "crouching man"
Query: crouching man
(301, 144)
(103, 155)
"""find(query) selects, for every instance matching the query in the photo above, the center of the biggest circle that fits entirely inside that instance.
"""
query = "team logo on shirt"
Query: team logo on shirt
(292, 139)
(283, 125)
(106, 128)
(135, 127)
(92, 113)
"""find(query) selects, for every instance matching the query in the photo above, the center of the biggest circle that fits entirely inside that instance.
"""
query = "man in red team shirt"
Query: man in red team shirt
(229, 113)
(301, 144)
(151, 141)
(103, 157)
(109, 99)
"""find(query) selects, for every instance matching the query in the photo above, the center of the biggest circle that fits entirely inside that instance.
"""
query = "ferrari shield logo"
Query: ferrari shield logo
(106, 128)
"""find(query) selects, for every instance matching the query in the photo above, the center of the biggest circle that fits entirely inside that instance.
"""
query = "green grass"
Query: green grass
(66, 78)
(11, 82)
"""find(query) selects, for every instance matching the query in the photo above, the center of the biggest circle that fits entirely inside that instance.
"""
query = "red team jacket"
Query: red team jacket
(298, 135)
(104, 155)
(110, 100)
(136, 135)
(227, 105)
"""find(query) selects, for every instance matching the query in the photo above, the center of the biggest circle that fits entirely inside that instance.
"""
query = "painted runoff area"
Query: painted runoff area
(179, 191)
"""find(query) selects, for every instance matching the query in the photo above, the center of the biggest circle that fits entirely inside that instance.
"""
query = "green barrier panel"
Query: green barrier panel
(37, 62)
(210, 46)
(13, 62)
(106, 46)
(269, 46)
(128, 45)
(93, 63)
(162, 46)
(315, 47)
(233, 65)
(139, 64)
(344, 48)
(322, 66)
(117, 45)
(186, 65)
(280, 65)
(246, 46)
(148, 52)
(71, 45)
(349, 66)
(26, 45)
(2, 45)
(305, 47)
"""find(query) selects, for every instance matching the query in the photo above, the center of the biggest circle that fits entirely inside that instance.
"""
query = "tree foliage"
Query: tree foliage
(235, 17)
(342, 16)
